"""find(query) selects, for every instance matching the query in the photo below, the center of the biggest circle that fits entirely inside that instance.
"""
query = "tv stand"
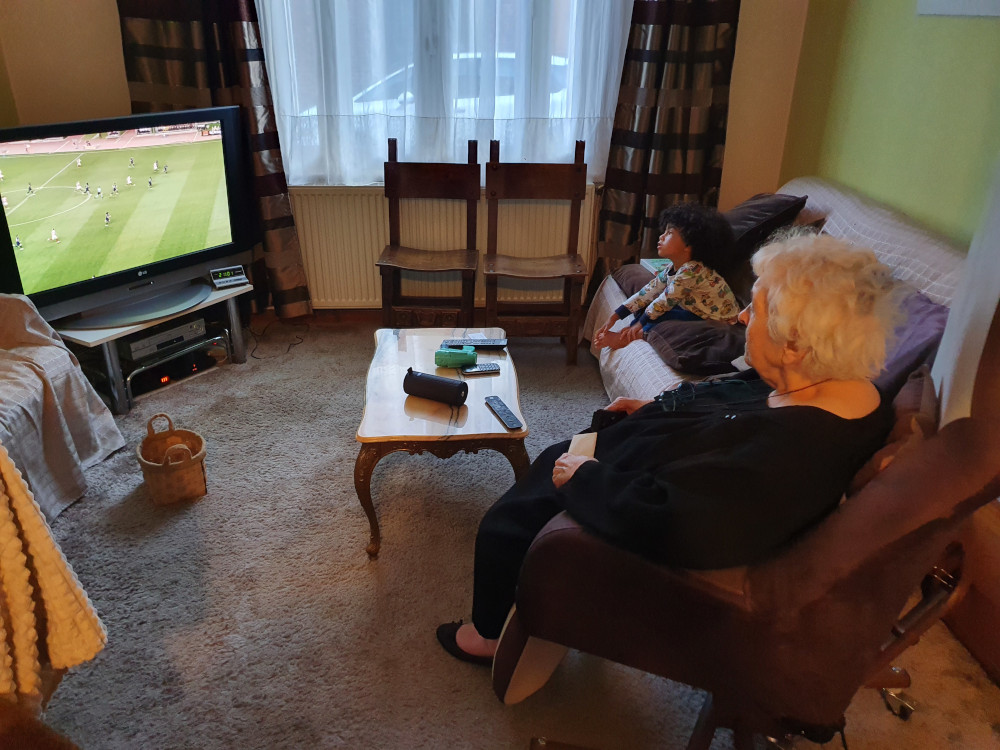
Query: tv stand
(120, 396)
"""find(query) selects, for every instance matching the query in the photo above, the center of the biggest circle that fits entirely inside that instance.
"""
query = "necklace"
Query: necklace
(796, 390)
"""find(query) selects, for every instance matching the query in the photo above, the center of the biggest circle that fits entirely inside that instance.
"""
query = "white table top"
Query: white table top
(391, 414)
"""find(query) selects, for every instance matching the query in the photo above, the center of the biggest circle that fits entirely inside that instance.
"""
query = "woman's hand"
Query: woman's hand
(627, 405)
(566, 466)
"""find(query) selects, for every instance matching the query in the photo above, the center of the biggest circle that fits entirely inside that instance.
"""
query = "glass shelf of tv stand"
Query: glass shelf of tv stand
(105, 338)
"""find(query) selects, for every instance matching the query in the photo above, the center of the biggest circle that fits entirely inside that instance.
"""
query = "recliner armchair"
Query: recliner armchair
(781, 646)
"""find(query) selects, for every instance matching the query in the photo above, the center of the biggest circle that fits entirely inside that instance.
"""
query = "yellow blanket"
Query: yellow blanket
(45, 615)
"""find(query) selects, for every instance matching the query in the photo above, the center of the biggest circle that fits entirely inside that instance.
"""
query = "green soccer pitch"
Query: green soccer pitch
(184, 211)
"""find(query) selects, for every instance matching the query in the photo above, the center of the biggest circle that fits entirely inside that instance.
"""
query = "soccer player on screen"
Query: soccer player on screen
(131, 162)
(79, 162)
(53, 237)
(128, 181)
(114, 189)
(17, 241)
(107, 219)
(151, 182)
(30, 191)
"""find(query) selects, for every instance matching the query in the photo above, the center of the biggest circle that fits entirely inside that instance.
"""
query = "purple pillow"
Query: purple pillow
(916, 342)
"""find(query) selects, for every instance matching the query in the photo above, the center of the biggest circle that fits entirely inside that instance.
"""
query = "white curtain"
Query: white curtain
(976, 301)
(346, 75)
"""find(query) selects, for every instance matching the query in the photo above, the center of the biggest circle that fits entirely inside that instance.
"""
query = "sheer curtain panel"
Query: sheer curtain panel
(537, 75)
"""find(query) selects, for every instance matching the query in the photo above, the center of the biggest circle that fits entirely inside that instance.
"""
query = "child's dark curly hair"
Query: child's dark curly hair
(706, 232)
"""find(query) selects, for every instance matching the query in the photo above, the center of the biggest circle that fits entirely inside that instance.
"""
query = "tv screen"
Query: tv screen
(119, 208)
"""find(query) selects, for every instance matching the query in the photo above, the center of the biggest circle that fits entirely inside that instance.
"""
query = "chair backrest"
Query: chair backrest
(429, 181)
(836, 593)
(535, 181)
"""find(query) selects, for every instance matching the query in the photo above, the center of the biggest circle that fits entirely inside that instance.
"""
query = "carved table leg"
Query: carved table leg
(368, 456)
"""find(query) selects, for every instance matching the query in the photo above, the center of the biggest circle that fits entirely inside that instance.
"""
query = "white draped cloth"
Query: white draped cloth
(46, 618)
(52, 421)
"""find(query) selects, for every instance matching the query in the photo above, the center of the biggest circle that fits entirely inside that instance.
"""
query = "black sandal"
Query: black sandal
(446, 637)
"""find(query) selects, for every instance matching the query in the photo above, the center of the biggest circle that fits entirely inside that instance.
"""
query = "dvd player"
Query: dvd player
(145, 346)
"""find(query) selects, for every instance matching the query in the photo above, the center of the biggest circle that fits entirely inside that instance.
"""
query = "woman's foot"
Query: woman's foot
(464, 642)
(469, 640)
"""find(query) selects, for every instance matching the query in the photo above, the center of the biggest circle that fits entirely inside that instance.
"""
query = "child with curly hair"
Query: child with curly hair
(697, 240)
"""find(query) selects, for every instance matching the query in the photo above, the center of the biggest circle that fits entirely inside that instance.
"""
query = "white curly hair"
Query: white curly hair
(833, 300)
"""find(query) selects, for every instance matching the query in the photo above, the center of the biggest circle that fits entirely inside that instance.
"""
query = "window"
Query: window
(537, 75)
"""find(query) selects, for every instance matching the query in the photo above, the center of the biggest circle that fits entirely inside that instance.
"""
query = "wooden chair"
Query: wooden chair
(429, 180)
(519, 182)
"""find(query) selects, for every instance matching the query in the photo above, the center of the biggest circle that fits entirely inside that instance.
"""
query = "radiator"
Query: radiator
(342, 231)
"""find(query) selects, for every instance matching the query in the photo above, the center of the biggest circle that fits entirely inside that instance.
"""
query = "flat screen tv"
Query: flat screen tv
(120, 220)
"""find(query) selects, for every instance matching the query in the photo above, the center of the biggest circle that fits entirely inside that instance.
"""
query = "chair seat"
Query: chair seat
(413, 259)
(549, 267)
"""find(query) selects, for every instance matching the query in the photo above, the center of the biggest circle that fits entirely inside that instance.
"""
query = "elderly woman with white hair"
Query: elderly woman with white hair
(714, 475)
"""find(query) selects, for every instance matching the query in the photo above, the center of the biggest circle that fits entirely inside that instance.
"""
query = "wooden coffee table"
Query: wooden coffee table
(394, 421)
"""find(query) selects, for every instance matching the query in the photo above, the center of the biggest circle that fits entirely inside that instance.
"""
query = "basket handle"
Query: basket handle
(176, 454)
(149, 425)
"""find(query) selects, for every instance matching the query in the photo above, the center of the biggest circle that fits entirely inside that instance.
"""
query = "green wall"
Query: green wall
(901, 107)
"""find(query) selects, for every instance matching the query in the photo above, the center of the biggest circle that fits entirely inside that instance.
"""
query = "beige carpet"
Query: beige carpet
(254, 619)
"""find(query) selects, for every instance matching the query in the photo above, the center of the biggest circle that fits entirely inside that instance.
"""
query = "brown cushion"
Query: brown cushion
(753, 221)
(915, 408)
(694, 347)
(631, 278)
(698, 347)
(756, 219)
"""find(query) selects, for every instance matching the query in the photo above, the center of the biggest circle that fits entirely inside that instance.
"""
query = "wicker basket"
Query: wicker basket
(173, 463)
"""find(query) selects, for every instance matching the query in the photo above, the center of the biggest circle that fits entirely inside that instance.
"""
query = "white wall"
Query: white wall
(768, 43)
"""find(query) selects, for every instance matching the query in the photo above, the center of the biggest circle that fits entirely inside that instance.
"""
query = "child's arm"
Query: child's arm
(633, 305)
(624, 337)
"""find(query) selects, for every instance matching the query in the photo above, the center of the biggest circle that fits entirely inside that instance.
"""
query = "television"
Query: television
(117, 221)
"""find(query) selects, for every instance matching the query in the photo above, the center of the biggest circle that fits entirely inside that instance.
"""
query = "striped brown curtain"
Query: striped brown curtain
(186, 54)
(670, 124)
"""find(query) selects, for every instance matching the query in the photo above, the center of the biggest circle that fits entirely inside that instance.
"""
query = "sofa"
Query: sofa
(928, 264)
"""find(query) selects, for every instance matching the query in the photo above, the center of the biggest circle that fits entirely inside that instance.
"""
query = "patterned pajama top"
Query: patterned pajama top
(695, 288)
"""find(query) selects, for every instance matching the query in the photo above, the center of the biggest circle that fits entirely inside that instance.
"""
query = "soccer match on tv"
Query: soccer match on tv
(79, 207)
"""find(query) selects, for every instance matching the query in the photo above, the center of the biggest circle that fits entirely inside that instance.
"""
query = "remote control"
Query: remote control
(504, 414)
(484, 368)
(478, 343)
